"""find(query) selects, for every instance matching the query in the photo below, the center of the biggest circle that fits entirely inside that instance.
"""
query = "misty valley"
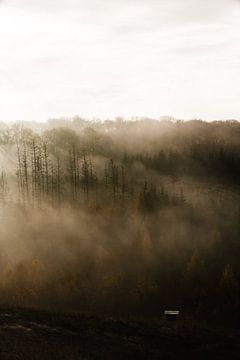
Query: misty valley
(119, 180)
(122, 218)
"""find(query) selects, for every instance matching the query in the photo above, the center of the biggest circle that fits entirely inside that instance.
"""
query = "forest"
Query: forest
(122, 217)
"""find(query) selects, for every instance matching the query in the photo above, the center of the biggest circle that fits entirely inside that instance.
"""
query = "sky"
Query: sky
(107, 58)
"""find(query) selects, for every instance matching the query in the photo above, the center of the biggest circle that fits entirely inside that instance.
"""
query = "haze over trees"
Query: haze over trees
(122, 217)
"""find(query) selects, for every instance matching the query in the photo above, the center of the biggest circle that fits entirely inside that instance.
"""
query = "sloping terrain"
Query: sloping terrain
(30, 334)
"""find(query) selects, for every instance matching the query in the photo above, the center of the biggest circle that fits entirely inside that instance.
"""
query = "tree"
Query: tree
(229, 287)
(85, 176)
(196, 282)
(3, 186)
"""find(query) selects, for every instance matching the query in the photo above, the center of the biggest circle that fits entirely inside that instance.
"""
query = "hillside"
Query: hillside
(122, 218)
(28, 334)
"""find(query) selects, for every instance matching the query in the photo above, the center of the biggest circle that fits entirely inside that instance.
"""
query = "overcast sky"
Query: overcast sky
(103, 58)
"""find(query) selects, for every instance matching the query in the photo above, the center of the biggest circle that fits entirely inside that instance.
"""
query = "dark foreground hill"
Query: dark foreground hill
(30, 334)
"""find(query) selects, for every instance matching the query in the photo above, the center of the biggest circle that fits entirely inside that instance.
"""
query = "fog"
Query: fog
(119, 57)
(121, 217)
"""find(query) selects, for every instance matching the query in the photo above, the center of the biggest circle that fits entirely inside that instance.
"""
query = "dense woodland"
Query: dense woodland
(122, 217)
